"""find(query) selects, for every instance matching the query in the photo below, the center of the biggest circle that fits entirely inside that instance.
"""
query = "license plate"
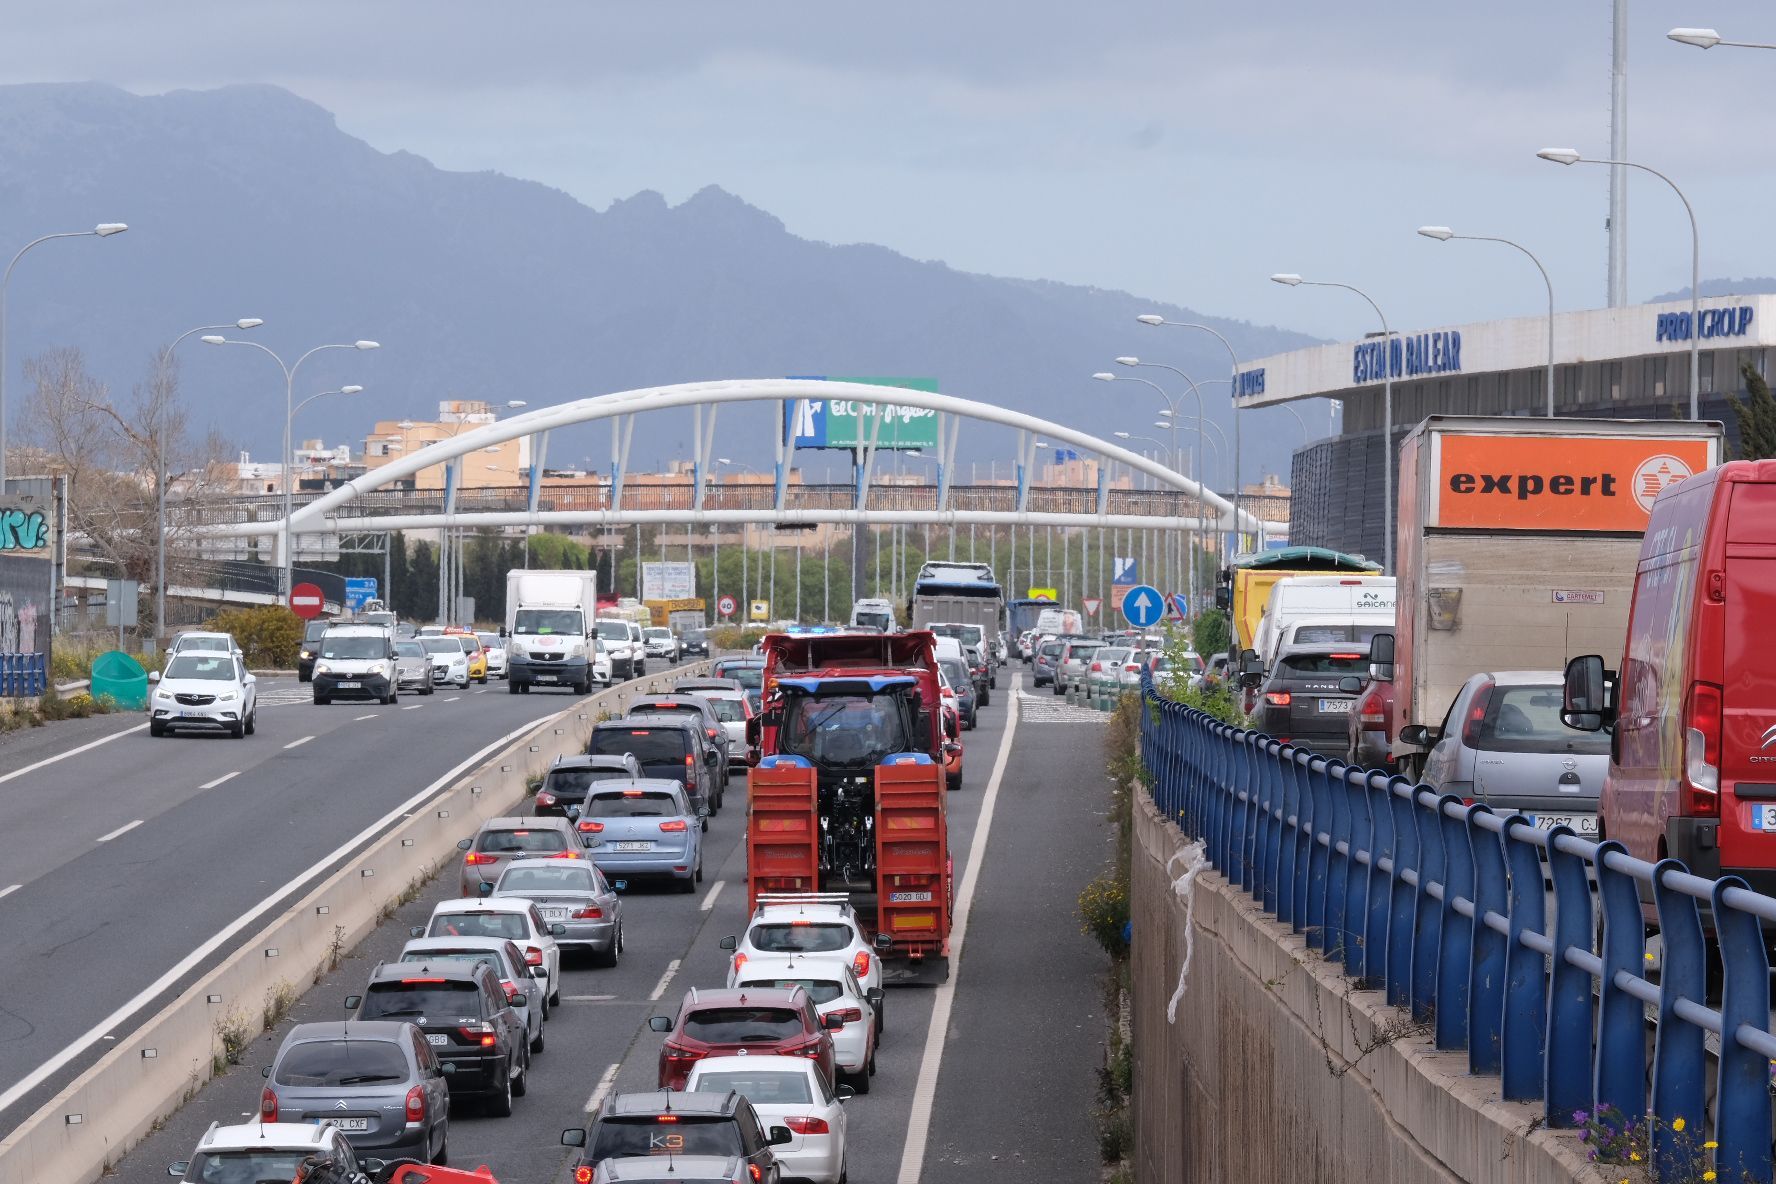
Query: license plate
(1335, 706)
(909, 897)
(1584, 824)
(347, 1124)
(437, 1038)
(1763, 818)
(633, 845)
(554, 914)
(545, 678)
(350, 686)
(193, 715)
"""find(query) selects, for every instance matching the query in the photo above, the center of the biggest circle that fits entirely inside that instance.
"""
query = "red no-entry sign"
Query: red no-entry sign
(306, 601)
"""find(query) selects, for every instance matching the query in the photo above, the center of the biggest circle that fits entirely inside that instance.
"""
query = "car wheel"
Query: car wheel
(536, 1042)
(859, 1082)
(252, 721)
(1056, 684)
(609, 958)
(482, 680)
(521, 1086)
(512, 688)
(500, 1104)
(428, 689)
(689, 883)
(442, 1157)
(881, 1020)
(705, 822)
(555, 992)
(955, 783)
(156, 728)
(238, 731)
(699, 869)
(322, 700)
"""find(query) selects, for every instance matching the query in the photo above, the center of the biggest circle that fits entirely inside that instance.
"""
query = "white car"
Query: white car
(789, 1092)
(733, 708)
(835, 990)
(601, 662)
(450, 664)
(511, 917)
(209, 643)
(811, 923)
(271, 1151)
(624, 645)
(205, 690)
(661, 643)
(494, 646)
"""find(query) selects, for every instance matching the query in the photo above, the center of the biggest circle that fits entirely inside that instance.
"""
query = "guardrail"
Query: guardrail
(1445, 906)
(23, 675)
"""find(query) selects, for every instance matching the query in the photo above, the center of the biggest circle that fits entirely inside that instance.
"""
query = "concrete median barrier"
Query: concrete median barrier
(154, 1068)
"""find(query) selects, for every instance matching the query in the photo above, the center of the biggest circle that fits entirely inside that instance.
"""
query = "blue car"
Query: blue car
(643, 827)
(961, 680)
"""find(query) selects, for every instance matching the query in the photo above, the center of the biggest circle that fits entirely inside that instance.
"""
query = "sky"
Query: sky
(1180, 151)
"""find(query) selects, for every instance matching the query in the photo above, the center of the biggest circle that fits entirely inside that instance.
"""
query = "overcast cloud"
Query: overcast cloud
(1180, 151)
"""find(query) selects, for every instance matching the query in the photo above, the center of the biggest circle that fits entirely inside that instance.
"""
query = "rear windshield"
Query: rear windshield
(440, 645)
(954, 670)
(761, 1089)
(803, 937)
(746, 676)
(315, 630)
(1051, 649)
(444, 999)
(687, 1134)
(1079, 649)
(689, 710)
(651, 746)
(743, 1025)
(409, 649)
(510, 926)
(1527, 719)
(1326, 664)
(573, 782)
(1321, 634)
(632, 803)
(342, 1062)
(1111, 654)
(568, 878)
(516, 841)
(820, 990)
(466, 957)
(729, 710)
(353, 646)
(244, 1167)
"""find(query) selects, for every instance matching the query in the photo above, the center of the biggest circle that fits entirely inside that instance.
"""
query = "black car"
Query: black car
(698, 709)
(1300, 699)
(668, 746)
(467, 1018)
(568, 779)
(694, 642)
(662, 1121)
(310, 649)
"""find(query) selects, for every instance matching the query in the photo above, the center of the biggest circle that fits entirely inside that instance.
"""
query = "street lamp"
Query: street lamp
(1289, 279)
(1444, 234)
(102, 230)
(1571, 156)
(1153, 318)
(289, 577)
(1708, 39)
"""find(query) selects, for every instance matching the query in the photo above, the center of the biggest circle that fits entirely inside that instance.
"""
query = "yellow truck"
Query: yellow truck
(678, 615)
(1245, 585)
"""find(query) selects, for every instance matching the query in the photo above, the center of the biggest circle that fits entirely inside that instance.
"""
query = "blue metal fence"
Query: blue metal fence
(23, 674)
(1444, 905)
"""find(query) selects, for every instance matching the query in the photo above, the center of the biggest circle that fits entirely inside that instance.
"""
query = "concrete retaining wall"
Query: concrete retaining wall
(153, 1071)
(1277, 1070)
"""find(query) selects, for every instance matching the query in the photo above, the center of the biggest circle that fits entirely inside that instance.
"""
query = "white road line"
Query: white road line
(482, 691)
(660, 987)
(709, 897)
(220, 780)
(71, 752)
(356, 718)
(587, 998)
(299, 743)
(604, 1085)
(10, 889)
(413, 707)
(912, 1157)
(195, 958)
(122, 830)
(454, 698)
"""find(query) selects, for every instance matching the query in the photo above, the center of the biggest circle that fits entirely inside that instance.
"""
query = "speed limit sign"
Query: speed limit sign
(726, 606)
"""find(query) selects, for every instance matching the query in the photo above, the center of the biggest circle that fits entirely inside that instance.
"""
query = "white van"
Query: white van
(1059, 622)
(877, 616)
(1324, 599)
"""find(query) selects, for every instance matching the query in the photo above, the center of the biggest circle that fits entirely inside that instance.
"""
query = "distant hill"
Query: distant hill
(249, 201)
(1749, 286)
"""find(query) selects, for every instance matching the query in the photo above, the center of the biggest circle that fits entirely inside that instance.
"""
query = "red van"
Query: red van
(1692, 712)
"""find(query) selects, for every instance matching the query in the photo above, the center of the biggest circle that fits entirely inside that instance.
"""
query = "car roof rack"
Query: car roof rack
(842, 899)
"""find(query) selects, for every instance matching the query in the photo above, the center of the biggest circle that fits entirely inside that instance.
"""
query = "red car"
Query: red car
(751, 1021)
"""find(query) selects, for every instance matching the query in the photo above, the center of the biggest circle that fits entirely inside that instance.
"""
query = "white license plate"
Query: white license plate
(1763, 818)
(1584, 824)
(437, 1038)
(554, 914)
(350, 686)
(347, 1124)
(633, 845)
(1335, 706)
(194, 715)
(908, 897)
(545, 678)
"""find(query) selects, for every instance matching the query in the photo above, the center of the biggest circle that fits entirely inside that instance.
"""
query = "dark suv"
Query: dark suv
(468, 1021)
(669, 1123)
(668, 746)
(694, 708)
(744, 1022)
(1301, 700)
(568, 779)
(312, 632)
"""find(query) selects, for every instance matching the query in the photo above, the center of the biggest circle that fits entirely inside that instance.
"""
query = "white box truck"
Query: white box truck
(549, 629)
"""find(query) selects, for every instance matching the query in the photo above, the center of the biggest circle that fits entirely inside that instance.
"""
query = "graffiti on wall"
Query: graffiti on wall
(25, 585)
(23, 530)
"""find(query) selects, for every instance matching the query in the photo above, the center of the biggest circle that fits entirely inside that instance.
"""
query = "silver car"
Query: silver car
(377, 1081)
(1074, 663)
(572, 893)
(1503, 744)
(507, 960)
(413, 667)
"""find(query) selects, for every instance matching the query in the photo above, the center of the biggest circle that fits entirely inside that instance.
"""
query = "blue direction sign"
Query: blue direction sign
(359, 592)
(1143, 605)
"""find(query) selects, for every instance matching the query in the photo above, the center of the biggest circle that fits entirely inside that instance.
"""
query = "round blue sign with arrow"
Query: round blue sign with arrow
(1142, 605)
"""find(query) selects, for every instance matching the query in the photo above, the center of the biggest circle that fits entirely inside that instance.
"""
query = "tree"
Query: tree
(1212, 634)
(1756, 413)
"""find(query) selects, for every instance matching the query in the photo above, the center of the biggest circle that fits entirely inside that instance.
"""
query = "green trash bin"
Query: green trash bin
(120, 676)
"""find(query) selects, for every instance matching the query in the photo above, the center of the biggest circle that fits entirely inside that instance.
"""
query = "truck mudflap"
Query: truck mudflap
(782, 828)
(913, 869)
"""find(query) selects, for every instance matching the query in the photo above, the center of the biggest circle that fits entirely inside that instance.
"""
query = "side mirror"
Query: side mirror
(352, 1002)
(660, 1023)
(447, 1068)
(265, 1072)
(573, 812)
(874, 997)
(884, 940)
(1587, 701)
(484, 888)
(373, 1167)
(557, 930)
(465, 844)
(503, 632)
(710, 757)
(844, 1093)
(702, 811)
(519, 1000)
(832, 1023)
(1381, 649)
(178, 1167)
(541, 972)
(729, 943)
(781, 1135)
(620, 885)
(1250, 662)
(1350, 684)
(573, 1136)
(154, 676)
(1419, 735)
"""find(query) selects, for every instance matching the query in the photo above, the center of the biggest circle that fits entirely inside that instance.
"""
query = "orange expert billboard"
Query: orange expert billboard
(1578, 483)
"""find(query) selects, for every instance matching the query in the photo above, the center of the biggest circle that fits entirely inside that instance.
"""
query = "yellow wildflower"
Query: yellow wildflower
(1711, 1145)
(1677, 1124)
(1708, 1175)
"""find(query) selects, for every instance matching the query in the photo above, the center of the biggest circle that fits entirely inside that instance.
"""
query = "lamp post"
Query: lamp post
(160, 476)
(1387, 401)
(1173, 454)
(102, 230)
(1571, 156)
(1708, 39)
(1153, 318)
(1172, 413)
(1444, 234)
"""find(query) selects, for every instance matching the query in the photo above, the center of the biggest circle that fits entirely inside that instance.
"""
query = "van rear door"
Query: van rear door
(1748, 717)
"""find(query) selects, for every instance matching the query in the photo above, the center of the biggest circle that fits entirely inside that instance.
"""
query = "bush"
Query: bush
(269, 635)
(1104, 912)
(735, 637)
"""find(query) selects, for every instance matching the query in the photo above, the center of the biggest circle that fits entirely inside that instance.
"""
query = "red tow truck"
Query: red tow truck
(848, 794)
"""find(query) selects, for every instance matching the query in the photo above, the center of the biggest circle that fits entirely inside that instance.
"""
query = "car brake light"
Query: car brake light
(860, 964)
(810, 1050)
(1477, 715)
(545, 798)
(739, 961)
(803, 1124)
(758, 1173)
(416, 1108)
(532, 956)
(582, 1175)
(848, 1015)
(590, 827)
(676, 824)
(632, 793)
(268, 1105)
(678, 1052)
(1133, 668)
(421, 980)
(478, 858)
(1097, 667)
(1346, 657)
(479, 1034)
(589, 913)
(1702, 740)
(563, 855)
(521, 833)
(666, 1118)
(511, 990)
(1278, 698)
(688, 762)
(713, 732)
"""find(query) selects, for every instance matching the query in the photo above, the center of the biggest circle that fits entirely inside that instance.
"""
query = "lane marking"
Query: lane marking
(10, 889)
(122, 830)
(356, 718)
(299, 743)
(660, 987)
(482, 691)
(912, 1158)
(414, 707)
(604, 1085)
(197, 956)
(454, 698)
(71, 752)
(220, 780)
(587, 998)
(709, 897)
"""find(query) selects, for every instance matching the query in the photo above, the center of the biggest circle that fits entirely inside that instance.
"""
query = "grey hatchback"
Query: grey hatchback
(378, 1082)
(501, 840)
(573, 894)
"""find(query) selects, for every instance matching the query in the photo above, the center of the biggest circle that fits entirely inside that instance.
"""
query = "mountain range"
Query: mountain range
(248, 201)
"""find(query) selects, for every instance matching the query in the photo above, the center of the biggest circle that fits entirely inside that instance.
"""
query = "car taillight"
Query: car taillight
(478, 859)
(582, 1175)
(810, 1050)
(564, 855)
(1476, 715)
(678, 1052)
(545, 798)
(416, 1109)
(1278, 698)
(480, 1034)
(860, 964)
(713, 732)
(807, 1125)
(1097, 667)
(533, 956)
(1133, 668)
(511, 990)
(675, 824)
(689, 763)
(587, 826)
(1702, 741)
(758, 1173)
(589, 913)
(268, 1105)
(848, 1015)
